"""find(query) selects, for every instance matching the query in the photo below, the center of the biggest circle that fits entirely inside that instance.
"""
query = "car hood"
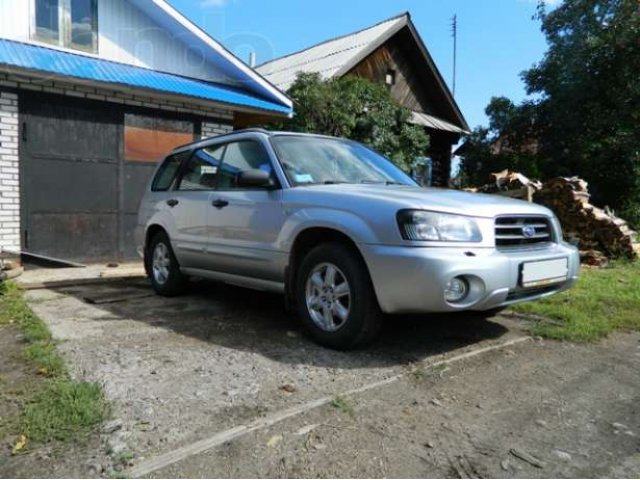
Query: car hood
(404, 196)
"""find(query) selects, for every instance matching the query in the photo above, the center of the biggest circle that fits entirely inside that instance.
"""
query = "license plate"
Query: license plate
(538, 274)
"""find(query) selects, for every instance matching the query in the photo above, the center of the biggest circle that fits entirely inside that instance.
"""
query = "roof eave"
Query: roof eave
(30, 74)
(443, 85)
(224, 52)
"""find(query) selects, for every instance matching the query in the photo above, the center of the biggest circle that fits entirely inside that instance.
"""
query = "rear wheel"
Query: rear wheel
(163, 268)
(335, 298)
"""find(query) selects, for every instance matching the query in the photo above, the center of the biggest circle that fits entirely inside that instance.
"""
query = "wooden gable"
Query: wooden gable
(415, 85)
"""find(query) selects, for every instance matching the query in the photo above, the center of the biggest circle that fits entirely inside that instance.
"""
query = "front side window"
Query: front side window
(67, 23)
(239, 157)
(201, 171)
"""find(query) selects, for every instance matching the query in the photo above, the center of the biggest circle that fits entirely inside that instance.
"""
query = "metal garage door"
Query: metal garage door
(70, 158)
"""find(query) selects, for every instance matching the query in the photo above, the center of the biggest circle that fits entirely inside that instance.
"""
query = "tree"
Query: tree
(510, 141)
(356, 108)
(585, 112)
(589, 84)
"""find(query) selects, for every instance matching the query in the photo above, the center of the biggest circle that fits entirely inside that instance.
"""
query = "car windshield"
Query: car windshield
(309, 160)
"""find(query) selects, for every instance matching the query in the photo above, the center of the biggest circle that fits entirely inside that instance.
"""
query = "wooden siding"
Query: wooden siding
(125, 35)
(15, 20)
(415, 86)
(406, 89)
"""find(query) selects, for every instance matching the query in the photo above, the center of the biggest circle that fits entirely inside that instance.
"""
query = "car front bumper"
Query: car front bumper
(413, 279)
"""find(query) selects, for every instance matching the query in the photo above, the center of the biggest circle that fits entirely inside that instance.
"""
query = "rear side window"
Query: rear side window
(167, 172)
(201, 171)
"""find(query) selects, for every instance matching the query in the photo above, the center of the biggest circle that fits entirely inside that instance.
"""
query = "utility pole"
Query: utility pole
(454, 32)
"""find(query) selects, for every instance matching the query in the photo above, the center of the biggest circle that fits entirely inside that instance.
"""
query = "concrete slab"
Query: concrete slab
(91, 274)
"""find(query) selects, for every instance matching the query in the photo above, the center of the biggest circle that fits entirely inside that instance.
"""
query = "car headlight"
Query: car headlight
(437, 227)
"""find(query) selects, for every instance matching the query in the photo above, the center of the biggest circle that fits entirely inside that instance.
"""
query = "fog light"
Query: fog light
(456, 290)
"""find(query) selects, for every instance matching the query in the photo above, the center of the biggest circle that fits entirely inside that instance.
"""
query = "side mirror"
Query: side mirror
(255, 178)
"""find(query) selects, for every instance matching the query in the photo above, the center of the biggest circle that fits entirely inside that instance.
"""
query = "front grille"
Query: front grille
(522, 231)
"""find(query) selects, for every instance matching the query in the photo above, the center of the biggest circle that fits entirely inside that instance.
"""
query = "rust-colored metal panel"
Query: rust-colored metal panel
(150, 139)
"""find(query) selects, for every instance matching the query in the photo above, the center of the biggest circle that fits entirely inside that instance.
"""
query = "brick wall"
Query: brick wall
(211, 129)
(9, 173)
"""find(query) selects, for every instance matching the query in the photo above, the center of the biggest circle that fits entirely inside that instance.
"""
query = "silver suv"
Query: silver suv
(343, 233)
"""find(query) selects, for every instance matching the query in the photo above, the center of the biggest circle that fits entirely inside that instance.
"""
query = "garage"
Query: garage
(85, 166)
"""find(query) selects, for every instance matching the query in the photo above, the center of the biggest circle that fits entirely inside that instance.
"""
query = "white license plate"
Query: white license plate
(538, 274)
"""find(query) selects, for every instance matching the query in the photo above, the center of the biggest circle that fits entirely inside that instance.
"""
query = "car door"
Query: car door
(245, 222)
(191, 206)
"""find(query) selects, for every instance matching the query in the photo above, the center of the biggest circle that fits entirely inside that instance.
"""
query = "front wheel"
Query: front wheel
(335, 298)
(164, 271)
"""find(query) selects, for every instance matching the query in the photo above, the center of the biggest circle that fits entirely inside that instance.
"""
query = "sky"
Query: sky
(497, 39)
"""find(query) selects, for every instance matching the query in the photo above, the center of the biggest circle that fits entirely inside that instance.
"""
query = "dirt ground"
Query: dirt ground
(182, 370)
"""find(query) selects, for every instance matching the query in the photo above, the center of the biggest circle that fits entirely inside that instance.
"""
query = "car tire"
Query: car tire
(163, 268)
(335, 298)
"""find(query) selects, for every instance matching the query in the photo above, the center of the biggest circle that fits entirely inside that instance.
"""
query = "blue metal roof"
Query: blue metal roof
(57, 63)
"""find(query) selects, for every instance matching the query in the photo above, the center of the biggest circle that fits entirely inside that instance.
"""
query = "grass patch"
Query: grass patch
(63, 409)
(58, 408)
(343, 405)
(602, 301)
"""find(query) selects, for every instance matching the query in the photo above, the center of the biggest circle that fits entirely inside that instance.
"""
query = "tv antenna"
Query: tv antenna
(454, 33)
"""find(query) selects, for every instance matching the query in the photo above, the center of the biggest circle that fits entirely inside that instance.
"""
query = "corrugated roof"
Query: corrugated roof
(328, 58)
(436, 123)
(69, 65)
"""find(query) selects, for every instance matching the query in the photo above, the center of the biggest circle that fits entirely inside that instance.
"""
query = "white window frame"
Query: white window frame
(64, 31)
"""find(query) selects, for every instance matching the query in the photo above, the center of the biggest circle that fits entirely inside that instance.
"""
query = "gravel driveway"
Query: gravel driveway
(181, 370)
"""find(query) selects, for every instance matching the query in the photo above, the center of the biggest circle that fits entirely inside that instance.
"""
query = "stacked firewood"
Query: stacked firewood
(599, 234)
(595, 230)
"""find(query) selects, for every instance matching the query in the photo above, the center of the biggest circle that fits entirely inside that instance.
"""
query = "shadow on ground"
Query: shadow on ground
(247, 320)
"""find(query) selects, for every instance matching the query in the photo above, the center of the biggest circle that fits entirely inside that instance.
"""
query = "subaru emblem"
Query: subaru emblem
(528, 231)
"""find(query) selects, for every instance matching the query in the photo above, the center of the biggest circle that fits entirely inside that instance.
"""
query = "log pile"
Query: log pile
(594, 229)
(599, 234)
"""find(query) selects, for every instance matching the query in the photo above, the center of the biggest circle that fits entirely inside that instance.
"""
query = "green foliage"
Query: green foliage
(585, 116)
(603, 300)
(356, 108)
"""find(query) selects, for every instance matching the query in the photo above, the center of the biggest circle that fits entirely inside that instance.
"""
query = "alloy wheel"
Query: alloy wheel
(161, 263)
(328, 297)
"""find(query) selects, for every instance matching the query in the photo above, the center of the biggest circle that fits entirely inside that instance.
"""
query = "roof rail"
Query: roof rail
(234, 132)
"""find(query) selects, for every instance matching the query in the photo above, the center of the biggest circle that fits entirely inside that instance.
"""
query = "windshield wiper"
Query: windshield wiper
(382, 182)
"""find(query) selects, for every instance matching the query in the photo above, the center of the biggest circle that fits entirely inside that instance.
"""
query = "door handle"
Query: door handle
(219, 203)
(173, 202)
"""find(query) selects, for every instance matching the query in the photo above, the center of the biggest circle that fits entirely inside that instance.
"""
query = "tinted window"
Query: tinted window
(242, 156)
(201, 172)
(167, 172)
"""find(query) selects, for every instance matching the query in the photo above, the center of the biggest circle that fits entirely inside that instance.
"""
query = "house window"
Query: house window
(390, 78)
(150, 139)
(67, 23)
